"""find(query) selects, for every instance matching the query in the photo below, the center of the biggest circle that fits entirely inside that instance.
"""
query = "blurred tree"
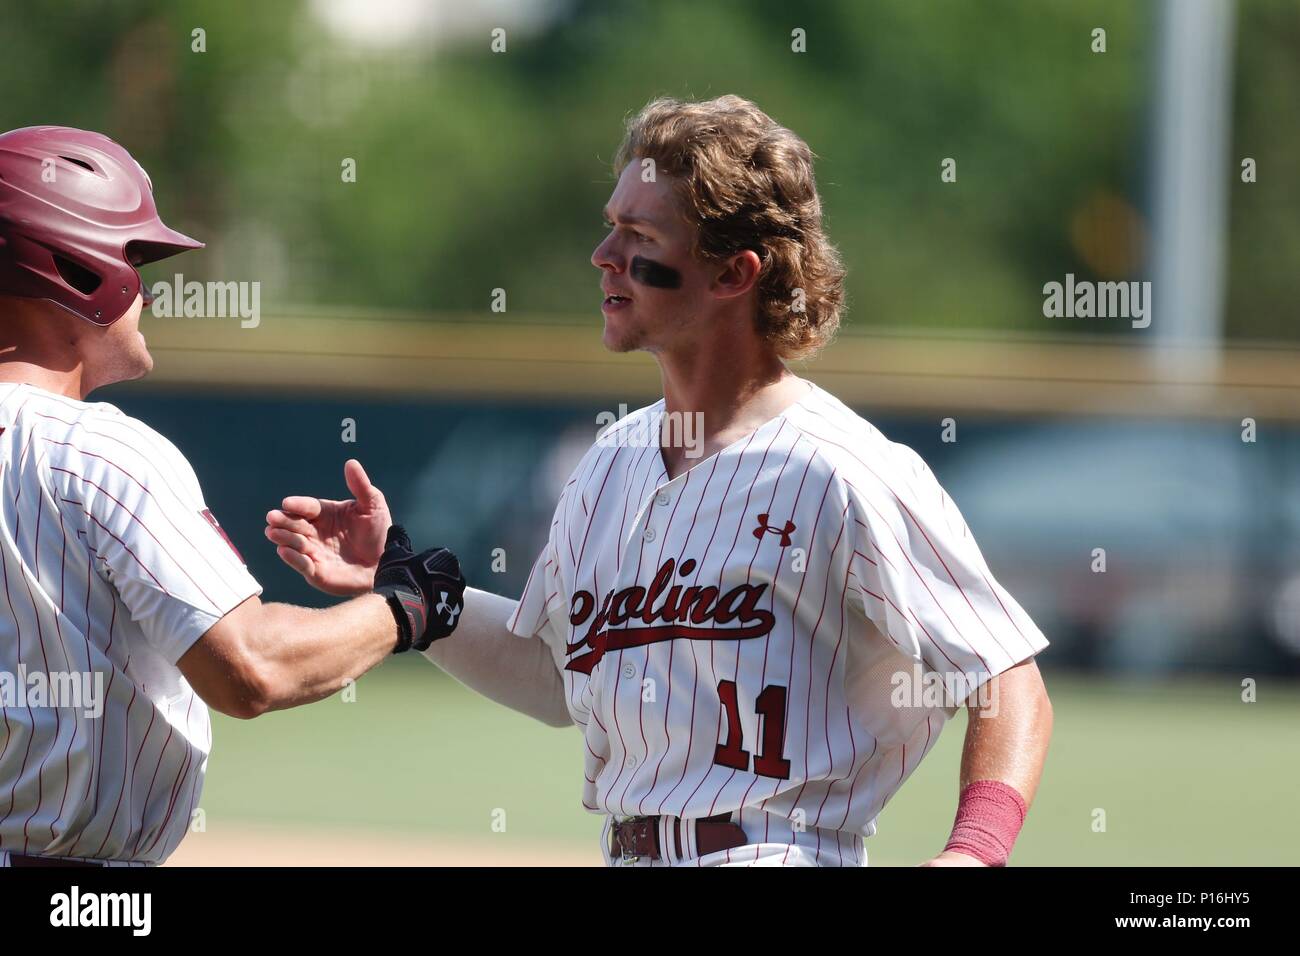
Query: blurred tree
(477, 170)
(1263, 280)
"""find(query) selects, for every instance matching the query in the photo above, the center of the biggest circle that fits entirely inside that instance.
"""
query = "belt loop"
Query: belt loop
(606, 835)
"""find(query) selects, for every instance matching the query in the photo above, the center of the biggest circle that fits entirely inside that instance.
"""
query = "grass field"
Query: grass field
(1185, 773)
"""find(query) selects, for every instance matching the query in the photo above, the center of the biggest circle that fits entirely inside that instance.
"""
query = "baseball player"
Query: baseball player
(760, 633)
(125, 608)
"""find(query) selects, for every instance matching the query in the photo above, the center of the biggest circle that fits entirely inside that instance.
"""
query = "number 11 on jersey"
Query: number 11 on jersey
(770, 706)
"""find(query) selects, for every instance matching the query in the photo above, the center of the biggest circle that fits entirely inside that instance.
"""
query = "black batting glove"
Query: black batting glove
(426, 591)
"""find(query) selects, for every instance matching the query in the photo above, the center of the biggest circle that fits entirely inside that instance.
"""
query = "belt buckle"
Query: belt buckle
(634, 825)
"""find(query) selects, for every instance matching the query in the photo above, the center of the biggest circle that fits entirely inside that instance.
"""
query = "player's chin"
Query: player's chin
(141, 357)
(620, 335)
(124, 352)
(137, 364)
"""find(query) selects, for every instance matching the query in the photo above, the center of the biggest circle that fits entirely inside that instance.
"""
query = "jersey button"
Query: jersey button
(648, 533)
(663, 498)
(630, 762)
(629, 671)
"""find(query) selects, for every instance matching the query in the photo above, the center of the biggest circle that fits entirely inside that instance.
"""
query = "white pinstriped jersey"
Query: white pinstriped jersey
(112, 568)
(768, 631)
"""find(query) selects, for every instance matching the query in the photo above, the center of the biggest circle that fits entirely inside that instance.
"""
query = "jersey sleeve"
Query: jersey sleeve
(924, 583)
(158, 544)
(543, 607)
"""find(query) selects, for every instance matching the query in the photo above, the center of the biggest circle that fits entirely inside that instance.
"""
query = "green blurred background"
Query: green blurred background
(479, 170)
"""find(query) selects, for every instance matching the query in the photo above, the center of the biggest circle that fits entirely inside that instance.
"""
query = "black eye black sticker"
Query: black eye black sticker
(655, 274)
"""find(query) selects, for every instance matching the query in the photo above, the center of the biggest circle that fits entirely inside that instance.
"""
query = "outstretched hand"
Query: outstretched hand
(335, 545)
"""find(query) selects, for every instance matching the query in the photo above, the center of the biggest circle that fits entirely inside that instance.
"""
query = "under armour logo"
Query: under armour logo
(452, 610)
(763, 528)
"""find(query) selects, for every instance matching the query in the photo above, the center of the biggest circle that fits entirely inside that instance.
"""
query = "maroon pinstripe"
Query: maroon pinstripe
(667, 734)
(915, 523)
(122, 790)
(812, 644)
(130, 785)
(76, 718)
(904, 552)
(31, 723)
(618, 567)
(125, 547)
(794, 615)
(648, 650)
(144, 807)
(767, 641)
(668, 698)
(708, 548)
(174, 790)
(749, 572)
(826, 716)
(216, 569)
(40, 636)
(143, 524)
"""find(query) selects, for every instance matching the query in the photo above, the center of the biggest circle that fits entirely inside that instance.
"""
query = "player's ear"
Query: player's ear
(737, 274)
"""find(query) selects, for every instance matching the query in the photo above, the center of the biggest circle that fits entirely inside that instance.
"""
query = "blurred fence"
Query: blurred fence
(559, 359)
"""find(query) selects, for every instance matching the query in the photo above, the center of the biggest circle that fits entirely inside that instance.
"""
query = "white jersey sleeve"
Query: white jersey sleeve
(543, 608)
(923, 582)
(157, 543)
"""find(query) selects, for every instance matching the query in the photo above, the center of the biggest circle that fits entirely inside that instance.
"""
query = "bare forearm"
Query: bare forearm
(1001, 764)
(305, 654)
(1007, 739)
(486, 657)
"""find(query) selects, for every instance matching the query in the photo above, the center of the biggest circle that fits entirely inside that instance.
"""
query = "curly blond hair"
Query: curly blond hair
(746, 182)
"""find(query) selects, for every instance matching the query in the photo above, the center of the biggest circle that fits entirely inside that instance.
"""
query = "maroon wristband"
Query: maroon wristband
(989, 816)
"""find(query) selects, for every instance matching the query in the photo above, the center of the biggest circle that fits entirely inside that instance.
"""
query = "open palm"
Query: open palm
(335, 545)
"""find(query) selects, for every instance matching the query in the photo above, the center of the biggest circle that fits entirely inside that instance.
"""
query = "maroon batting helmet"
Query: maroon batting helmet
(76, 218)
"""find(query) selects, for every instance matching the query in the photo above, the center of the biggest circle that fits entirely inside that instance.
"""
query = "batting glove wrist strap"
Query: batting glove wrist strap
(426, 591)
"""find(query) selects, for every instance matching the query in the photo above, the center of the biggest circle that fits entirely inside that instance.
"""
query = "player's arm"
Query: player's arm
(145, 523)
(1009, 727)
(960, 624)
(335, 545)
(263, 657)
(260, 657)
(487, 657)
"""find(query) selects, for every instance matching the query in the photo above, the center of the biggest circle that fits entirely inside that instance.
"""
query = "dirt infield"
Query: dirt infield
(262, 845)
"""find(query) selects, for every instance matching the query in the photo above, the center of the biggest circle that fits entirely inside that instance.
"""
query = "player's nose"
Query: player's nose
(606, 256)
